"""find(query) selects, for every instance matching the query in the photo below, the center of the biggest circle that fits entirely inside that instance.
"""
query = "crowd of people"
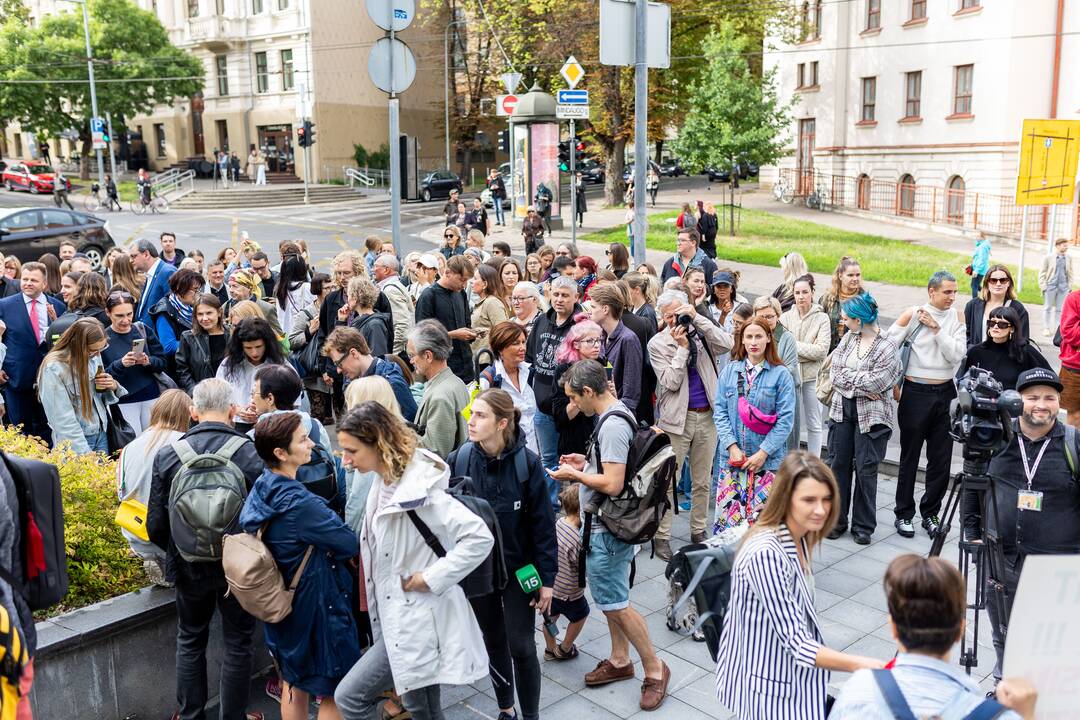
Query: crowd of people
(472, 372)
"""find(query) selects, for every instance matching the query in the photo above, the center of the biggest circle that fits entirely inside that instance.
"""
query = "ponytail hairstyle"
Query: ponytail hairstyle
(502, 407)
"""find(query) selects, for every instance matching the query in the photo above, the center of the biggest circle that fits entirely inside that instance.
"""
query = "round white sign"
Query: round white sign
(395, 15)
(392, 66)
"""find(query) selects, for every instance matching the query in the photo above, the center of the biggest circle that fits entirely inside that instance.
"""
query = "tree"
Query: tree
(43, 74)
(734, 117)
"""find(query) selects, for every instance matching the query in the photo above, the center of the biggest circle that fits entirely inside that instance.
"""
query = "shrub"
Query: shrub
(100, 565)
(375, 159)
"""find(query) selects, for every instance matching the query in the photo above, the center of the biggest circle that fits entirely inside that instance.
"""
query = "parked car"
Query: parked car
(629, 171)
(718, 175)
(35, 177)
(592, 171)
(504, 170)
(439, 184)
(671, 168)
(485, 197)
(28, 233)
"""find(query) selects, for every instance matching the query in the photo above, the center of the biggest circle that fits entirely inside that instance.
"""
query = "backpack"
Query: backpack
(60, 325)
(491, 575)
(702, 572)
(320, 474)
(254, 578)
(898, 706)
(205, 499)
(44, 578)
(633, 516)
(13, 661)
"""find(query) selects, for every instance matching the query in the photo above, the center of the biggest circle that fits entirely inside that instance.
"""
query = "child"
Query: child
(373, 243)
(569, 597)
(980, 263)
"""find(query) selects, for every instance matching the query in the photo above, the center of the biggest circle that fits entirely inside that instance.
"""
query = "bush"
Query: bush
(378, 160)
(100, 565)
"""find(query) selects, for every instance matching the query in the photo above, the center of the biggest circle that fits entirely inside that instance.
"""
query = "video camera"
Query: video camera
(982, 418)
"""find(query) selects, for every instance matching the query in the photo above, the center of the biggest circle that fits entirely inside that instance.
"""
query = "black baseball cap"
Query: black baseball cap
(1038, 376)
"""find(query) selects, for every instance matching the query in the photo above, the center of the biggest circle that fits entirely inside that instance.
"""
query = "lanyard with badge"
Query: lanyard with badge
(1030, 499)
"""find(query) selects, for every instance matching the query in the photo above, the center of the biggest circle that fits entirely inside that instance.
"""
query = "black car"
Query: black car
(591, 171)
(628, 172)
(718, 175)
(671, 168)
(439, 184)
(28, 233)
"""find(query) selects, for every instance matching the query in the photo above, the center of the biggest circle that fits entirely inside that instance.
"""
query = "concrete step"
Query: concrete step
(264, 197)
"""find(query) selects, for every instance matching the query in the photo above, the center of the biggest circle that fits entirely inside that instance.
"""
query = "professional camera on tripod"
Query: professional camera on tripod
(982, 424)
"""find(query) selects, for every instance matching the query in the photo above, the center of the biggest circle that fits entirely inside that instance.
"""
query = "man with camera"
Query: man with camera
(1036, 489)
(683, 357)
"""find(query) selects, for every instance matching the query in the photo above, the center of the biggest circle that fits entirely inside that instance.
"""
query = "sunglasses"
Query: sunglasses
(1000, 324)
(998, 281)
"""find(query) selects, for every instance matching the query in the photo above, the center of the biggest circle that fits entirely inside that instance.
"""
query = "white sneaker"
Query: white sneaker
(1046, 332)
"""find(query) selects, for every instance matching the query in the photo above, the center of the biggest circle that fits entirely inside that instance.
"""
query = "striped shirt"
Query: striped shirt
(566, 579)
(765, 666)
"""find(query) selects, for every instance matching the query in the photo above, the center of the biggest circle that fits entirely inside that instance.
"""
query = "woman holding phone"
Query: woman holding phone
(133, 356)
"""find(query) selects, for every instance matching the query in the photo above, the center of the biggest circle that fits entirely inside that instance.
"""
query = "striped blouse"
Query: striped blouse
(566, 580)
(765, 667)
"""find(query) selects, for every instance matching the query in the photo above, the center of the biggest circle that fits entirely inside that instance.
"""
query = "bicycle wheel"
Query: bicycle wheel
(137, 207)
(160, 205)
(786, 196)
(91, 204)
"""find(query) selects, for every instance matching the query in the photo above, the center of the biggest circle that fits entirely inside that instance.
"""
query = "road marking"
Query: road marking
(338, 239)
(235, 232)
(138, 231)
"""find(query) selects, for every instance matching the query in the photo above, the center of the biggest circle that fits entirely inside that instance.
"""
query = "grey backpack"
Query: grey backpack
(205, 499)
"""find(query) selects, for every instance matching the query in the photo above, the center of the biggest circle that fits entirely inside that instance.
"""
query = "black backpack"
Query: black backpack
(43, 581)
(491, 575)
(703, 572)
(320, 474)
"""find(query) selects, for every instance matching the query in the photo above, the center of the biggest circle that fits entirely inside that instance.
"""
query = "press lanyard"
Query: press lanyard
(1030, 473)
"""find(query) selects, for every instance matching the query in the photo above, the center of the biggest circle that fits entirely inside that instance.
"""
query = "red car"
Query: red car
(36, 177)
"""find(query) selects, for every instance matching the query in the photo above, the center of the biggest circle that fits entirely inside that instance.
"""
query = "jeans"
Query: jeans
(811, 409)
(923, 416)
(548, 436)
(98, 442)
(500, 216)
(976, 281)
(508, 625)
(194, 611)
(696, 444)
(359, 693)
(1053, 300)
(848, 447)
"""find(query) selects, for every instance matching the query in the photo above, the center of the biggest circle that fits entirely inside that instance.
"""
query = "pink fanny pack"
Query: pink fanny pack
(754, 419)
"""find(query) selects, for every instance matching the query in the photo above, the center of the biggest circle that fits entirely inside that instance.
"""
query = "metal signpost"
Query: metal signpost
(505, 106)
(112, 154)
(392, 68)
(573, 105)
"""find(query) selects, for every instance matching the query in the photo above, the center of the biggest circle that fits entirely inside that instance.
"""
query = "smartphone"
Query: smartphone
(138, 346)
(610, 372)
(481, 333)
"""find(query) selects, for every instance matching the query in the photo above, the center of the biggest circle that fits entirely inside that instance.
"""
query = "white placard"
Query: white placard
(617, 41)
(572, 112)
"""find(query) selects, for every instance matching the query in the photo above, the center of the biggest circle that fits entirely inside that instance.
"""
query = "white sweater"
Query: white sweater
(934, 356)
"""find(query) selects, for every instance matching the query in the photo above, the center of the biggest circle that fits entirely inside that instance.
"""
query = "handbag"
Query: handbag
(905, 347)
(131, 515)
(117, 429)
(753, 418)
(824, 390)
(740, 497)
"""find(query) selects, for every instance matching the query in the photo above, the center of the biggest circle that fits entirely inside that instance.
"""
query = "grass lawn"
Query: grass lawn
(764, 238)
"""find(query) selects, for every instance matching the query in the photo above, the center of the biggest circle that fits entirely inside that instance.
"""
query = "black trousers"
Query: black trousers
(1013, 566)
(194, 610)
(923, 417)
(508, 624)
(851, 450)
(24, 408)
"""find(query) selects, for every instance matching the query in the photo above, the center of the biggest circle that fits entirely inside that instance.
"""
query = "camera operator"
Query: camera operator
(1038, 498)
(683, 356)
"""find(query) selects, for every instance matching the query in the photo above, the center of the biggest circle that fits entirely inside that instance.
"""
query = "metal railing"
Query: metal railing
(368, 177)
(174, 183)
(963, 209)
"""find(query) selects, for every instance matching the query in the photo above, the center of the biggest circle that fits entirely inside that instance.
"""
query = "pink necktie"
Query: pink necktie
(34, 320)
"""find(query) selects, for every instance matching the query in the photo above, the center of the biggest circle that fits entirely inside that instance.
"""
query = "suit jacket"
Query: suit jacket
(24, 352)
(154, 289)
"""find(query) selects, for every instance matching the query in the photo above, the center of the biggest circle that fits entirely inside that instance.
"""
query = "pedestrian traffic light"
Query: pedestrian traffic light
(305, 135)
(579, 152)
(504, 141)
(564, 156)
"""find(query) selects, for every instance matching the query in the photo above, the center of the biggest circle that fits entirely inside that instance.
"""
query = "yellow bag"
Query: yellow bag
(13, 660)
(131, 515)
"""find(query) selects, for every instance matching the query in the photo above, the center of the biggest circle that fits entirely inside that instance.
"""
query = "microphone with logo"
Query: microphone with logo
(529, 580)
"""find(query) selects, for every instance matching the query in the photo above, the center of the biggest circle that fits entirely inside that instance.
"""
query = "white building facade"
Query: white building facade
(915, 107)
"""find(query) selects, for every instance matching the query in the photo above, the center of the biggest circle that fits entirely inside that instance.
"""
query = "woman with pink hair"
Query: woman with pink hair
(582, 342)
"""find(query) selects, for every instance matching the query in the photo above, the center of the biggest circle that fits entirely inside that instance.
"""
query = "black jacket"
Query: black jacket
(204, 438)
(973, 316)
(497, 187)
(452, 310)
(669, 271)
(544, 340)
(644, 331)
(574, 433)
(194, 362)
(995, 357)
(522, 505)
(707, 225)
(333, 302)
(378, 329)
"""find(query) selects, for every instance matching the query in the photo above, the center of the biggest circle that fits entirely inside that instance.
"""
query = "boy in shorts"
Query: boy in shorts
(569, 597)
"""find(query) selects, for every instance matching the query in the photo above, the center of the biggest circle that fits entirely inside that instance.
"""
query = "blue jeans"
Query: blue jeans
(500, 217)
(548, 436)
(98, 442)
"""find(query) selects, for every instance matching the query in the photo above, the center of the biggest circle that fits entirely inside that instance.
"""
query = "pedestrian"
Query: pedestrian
(997, 291)
(306, 329)
(492, 308)
(980, 263)
(174, 314)
(446, 302)
(546, 255)
(684, 356)
(511, 374)
(451, 206)
(425, 632)
(568, 598)
(846, 284)
(686, 219)
(543, 201)
(767, 310)
(865, 367)
(526, 302)
(223, 168)
(75, 391)
(427, 271)
(510, 272)
(580, 206)
(256, 166)
(771, 632)
(480, 216)
(754, 414)
(202, 348)
(809, 326)
(169, 252)
(622, 349)
(532, 230)
(707, 226)
(170, 418)
(642, 298)
(497, 186)
(260, 265)
(1055, 282)
(292, 291)
(439, 414)
(1007, 351)
(244, 285)
(618, 259)
(583, 341)
(251, 345)
(506, 473)
(628, 219)
(725, 298)
(144, 187)
(61, 187)
(317, 642)
(794, 267)
(146, 260)
(200, 586)
(134, 368)
(927, 607)
(387, 277)
(585, 275)
(688, 254)
(45, 153)
(347, 349)
(234, 167)
(652, 183)
(935, 332)
(112, 194)
(452, 243)
(599, 473)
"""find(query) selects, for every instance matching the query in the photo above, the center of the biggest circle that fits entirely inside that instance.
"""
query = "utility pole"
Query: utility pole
(112, 154)
(93, 87)
(641, 118)
(573, 183)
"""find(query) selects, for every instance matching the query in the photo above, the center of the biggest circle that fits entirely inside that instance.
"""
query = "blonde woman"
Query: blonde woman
(125, 277)
(492, 308)
(244, 310)
(809, 325)
(794, 267)
(245, 284)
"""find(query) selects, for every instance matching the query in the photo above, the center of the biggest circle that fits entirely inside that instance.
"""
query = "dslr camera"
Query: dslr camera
(982, 417)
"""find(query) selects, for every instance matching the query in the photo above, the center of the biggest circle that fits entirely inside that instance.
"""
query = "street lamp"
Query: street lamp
(93, 89)
(446, 82)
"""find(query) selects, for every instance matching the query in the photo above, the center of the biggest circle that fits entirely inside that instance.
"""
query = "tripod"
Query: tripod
(984, 551)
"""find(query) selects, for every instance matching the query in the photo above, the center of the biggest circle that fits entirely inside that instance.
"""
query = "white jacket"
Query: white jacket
(430, 637)
(812, 335)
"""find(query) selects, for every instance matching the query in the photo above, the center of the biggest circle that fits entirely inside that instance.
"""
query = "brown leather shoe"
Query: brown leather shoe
(662, 549)
(606, 673)
(698, 537)
(653, 691)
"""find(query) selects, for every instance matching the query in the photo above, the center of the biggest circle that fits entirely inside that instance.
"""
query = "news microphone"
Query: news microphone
(529, 580)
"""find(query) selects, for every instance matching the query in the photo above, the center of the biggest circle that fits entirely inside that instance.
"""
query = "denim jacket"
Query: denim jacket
(59, 394)
(773, 392)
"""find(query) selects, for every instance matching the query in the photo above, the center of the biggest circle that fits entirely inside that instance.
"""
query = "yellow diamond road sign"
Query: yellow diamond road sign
(572, 71)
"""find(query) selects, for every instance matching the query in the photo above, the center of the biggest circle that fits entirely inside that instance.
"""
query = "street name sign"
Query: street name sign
(572, 112)
(572, 97)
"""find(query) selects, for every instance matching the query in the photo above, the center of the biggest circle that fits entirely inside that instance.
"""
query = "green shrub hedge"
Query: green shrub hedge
(100, 564)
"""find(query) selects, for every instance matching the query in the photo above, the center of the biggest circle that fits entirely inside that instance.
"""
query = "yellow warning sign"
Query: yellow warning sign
(1048, 157)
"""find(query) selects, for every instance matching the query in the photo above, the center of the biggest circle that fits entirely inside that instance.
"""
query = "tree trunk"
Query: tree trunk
(614, 187)
(84, 162)
(659, 150)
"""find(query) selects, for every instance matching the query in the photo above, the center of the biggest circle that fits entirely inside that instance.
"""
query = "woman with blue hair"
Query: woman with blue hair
(865, 367)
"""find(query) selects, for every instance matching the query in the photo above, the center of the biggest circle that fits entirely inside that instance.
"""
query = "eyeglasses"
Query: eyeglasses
(515, 300)
(562, 253)
(338, 363)
(1000, 324)
(998, 281)
(589, 341)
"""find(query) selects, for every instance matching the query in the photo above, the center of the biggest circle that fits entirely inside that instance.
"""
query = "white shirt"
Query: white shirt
(524, 400)
(146, 284)
(42, 309)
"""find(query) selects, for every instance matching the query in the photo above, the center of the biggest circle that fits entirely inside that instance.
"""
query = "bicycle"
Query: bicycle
(782, 191)
(94, 202)
(818, 199)
(157, 204)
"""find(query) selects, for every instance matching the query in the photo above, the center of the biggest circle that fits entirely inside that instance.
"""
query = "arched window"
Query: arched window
(862, 191)
(954, 200)
(906, 192)
(817, 19)
(804, 21)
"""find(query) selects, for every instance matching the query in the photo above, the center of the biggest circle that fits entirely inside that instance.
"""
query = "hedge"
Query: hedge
(100, 564)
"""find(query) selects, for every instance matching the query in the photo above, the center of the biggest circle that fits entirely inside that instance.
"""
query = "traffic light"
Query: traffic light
(504, 141)
(564, 156)
(305, 135)
(579, 153)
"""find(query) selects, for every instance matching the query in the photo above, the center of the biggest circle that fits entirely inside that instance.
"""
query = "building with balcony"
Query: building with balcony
(915, 107)
(270, 63)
